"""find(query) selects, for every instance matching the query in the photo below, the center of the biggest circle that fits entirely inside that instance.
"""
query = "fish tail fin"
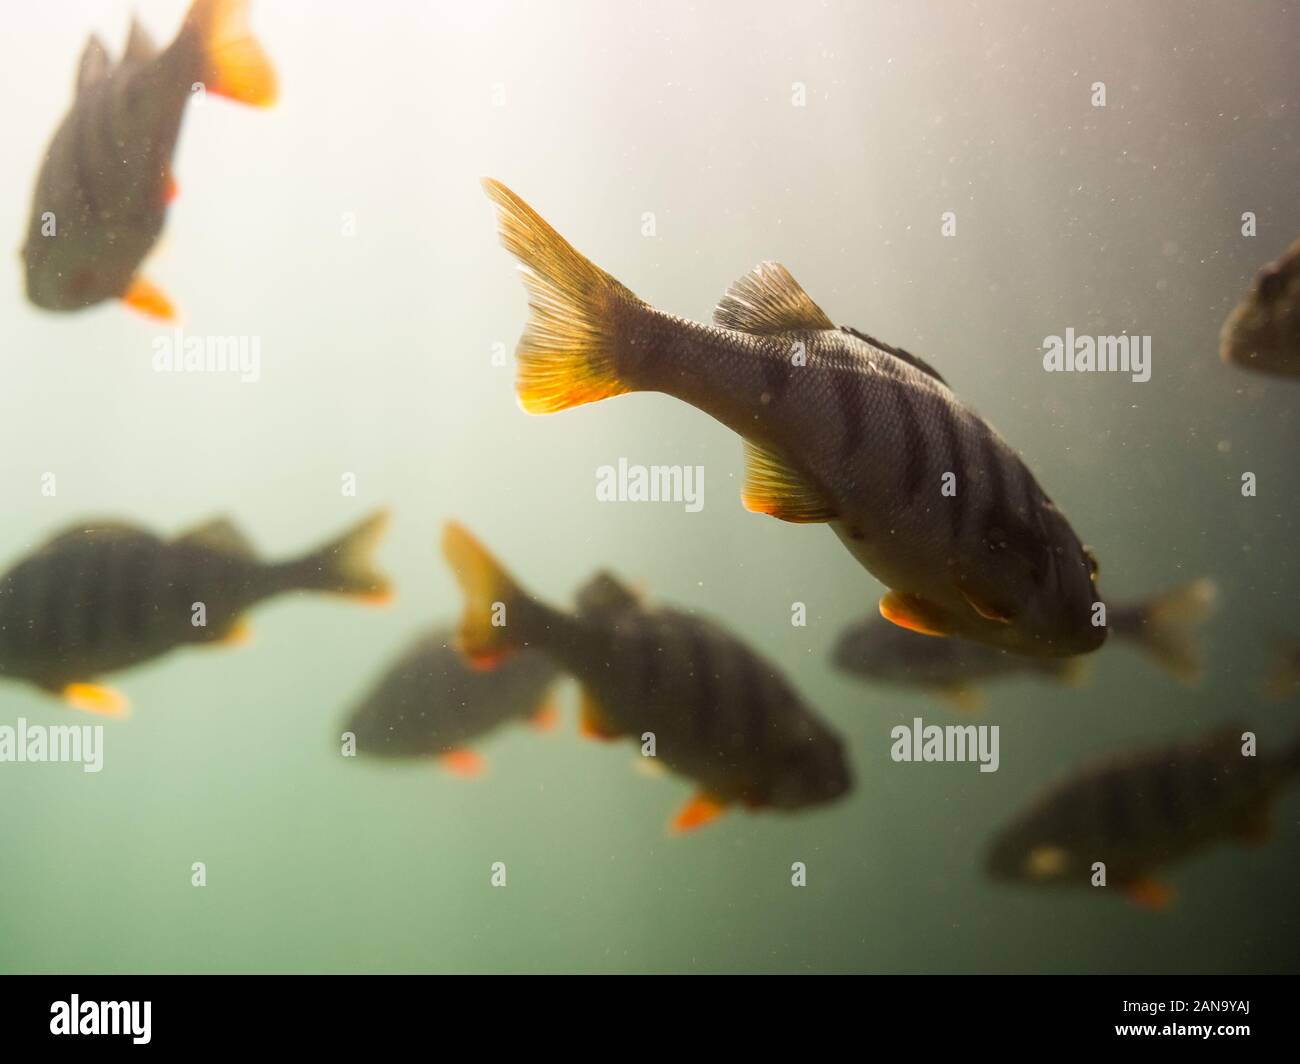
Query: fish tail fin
(568, 354)
(1165, 628)
(489, 628)
(232, 62)
(344, 566)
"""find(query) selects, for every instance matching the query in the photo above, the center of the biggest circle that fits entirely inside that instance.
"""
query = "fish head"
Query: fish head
(1263, 332)
(1055, 617)
(860, 650)
(812, 770)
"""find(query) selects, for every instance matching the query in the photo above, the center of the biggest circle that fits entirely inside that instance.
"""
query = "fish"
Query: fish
(1141, 812)
(431, 703)
(1163, 627)
(106, 182)
(721, 715)
(838, 428)
(105, 595)
(1263, 331)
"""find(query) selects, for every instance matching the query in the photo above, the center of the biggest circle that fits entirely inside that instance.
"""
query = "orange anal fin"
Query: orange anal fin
(594, 722)
(546, 717)
(910, 612)
(149, 300)
(94, 698)
(700, 810)
(465, 763)
(1150, 894)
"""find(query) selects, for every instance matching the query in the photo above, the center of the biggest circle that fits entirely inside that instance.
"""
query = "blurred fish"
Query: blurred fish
(432, 703)
(838, 428)
(103, 596)
(721, 715)
(1141, 812)
(1164, 627)
(103, 190)
(1263, 332)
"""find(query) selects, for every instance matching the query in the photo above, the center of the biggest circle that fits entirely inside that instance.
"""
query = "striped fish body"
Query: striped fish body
(103, 596)
(839, 429)
(1142, 812)
(869, 439)
(1263, 331)
(106, 596)
(721, 715)
(106, 172)
(431, 702)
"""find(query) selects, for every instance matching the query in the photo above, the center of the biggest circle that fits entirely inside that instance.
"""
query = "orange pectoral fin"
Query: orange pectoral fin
(700, 810)
(149, 300)
(465, 763)
(94, 698)
(964, 698)
(911, 612)
(170, 189)
(1150, 894)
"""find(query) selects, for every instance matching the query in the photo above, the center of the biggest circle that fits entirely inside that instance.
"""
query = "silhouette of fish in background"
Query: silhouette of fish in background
(1163, 627)
(1263, 331)
(838, 428)
(104, 187)
(432, 703)
(1140, 812)
(104, 595)
(721, 715)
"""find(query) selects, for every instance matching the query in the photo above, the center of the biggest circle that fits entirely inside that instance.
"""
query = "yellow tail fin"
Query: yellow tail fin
(1168, 624)
(485, 634)
(345, 567)
(567, 353)
(234, 64)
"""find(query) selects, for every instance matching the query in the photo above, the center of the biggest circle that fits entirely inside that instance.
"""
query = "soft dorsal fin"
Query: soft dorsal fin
(769, 300)
(772, 487)
(139, 45)
(94, 64)
(912, 360)
(605, 593)
(219, 534)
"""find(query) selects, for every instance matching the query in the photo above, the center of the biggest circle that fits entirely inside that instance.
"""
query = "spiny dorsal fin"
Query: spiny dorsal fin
(139, 45)
(605, 593)
(912, 360)
(219, 534)
(94, 64)
(769, 300)
(772, 487)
